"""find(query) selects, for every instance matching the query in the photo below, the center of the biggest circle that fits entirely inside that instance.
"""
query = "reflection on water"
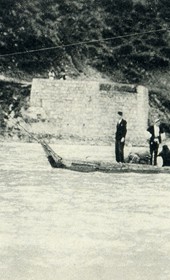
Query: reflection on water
(58, 224)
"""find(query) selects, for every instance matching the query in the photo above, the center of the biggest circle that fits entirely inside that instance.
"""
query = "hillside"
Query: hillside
(121, 40)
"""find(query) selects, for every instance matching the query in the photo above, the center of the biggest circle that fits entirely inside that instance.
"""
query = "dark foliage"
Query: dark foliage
(116, 35)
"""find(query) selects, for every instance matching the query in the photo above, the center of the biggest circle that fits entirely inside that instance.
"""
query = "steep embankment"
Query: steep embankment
(14, 95)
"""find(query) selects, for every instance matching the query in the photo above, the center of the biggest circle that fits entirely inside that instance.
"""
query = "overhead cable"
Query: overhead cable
(82, 43)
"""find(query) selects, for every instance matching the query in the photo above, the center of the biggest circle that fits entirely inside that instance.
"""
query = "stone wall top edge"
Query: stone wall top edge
(64, 81)
(115, 84)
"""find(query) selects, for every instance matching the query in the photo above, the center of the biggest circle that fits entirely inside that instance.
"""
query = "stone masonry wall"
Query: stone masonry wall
(86, 112)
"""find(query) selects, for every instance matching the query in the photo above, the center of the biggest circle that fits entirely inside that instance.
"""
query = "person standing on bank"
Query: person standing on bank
(121, 130)
(155, 130)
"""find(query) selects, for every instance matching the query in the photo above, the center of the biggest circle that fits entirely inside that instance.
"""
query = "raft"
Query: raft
(92, 166)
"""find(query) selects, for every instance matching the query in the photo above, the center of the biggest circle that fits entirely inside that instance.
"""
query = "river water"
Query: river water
(60, 224)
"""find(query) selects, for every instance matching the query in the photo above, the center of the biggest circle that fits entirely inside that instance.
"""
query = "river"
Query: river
(60, 224)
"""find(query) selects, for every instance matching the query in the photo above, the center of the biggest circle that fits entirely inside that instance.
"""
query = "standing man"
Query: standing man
(120, 138)
(155, 130)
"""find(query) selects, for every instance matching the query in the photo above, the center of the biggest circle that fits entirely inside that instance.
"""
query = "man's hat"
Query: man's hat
(120, 113)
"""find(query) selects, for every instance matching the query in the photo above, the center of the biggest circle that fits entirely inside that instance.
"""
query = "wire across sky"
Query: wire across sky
(82, 43)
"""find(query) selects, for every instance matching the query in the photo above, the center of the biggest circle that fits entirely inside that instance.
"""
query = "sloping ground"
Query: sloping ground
(159, 98)
(14, 94)
(13, 80)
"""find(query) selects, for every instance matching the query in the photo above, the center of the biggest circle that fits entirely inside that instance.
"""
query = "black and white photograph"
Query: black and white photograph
(85, 140)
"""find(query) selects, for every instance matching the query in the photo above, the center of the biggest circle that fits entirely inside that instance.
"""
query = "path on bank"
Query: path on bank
(13, 80)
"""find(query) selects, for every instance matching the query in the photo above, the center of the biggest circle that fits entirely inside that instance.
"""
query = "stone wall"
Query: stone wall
(86, 112)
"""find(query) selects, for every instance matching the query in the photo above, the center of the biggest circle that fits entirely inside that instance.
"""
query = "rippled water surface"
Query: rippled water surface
(58, 224)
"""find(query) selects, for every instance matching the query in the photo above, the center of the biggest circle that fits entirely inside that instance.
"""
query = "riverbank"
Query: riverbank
(58, 224)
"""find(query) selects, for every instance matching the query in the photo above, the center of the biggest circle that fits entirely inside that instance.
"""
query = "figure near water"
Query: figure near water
(121, 130)
(155, 130)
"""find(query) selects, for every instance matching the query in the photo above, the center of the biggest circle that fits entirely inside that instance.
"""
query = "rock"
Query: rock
(165, 155)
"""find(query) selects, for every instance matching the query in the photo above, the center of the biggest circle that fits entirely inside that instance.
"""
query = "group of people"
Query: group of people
(155, 131)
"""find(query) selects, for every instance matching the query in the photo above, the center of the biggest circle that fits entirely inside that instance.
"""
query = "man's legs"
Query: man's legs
(154, 152)
(119, 151)
(151, 153)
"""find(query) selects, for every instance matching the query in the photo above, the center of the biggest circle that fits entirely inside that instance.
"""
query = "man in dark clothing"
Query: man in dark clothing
(155, 130)
(120, 138)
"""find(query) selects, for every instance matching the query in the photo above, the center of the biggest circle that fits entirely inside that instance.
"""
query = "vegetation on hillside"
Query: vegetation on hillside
(39, 24)
(125, 40)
